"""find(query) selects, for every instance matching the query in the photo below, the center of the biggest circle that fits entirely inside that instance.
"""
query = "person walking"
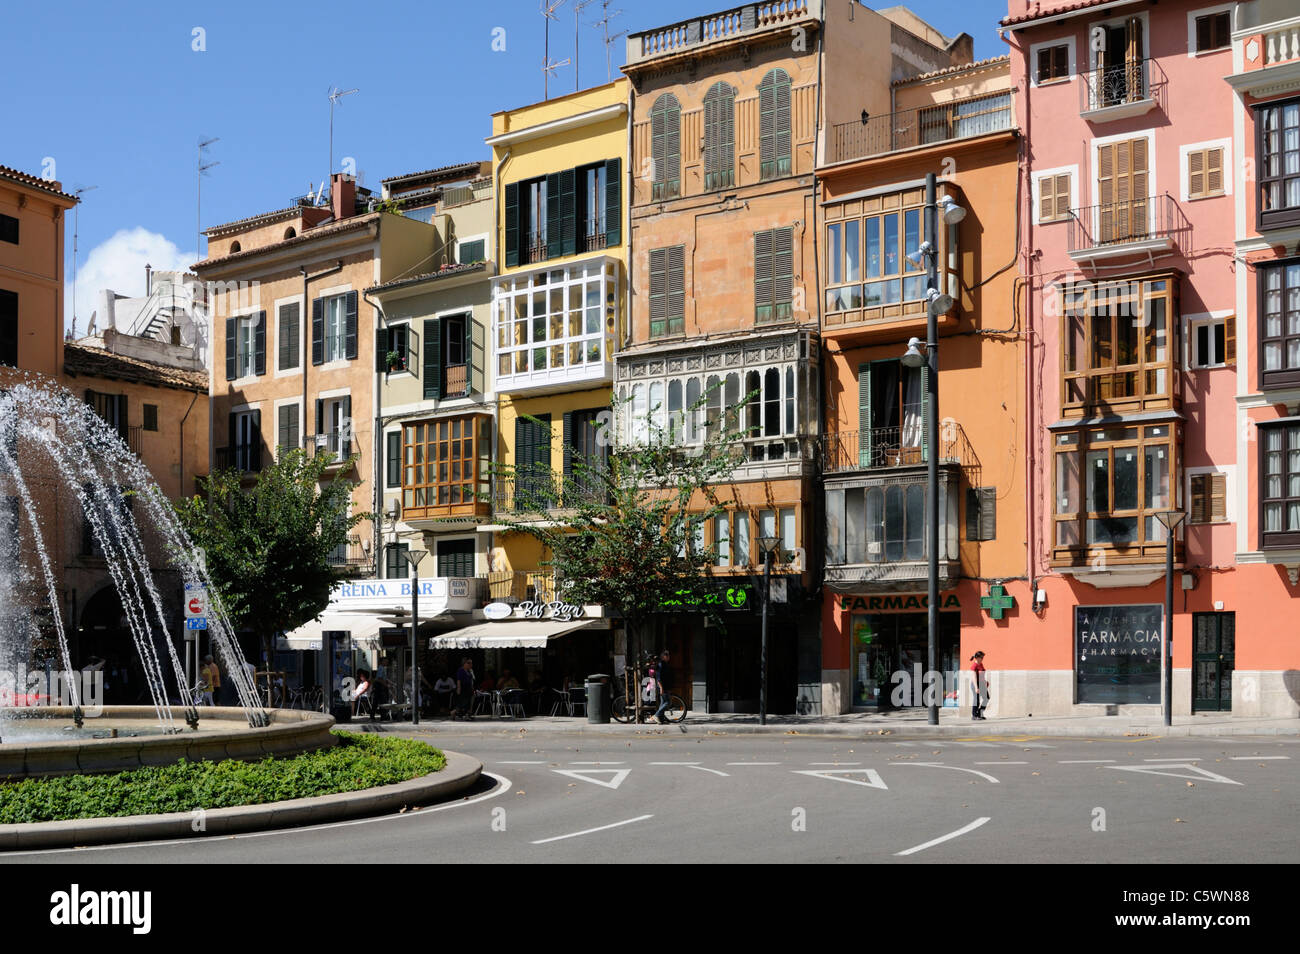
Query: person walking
(210, 676)
(464, 690)
(661, 685)
(980, 686)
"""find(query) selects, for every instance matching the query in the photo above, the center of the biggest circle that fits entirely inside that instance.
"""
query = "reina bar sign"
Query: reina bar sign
(867, 604)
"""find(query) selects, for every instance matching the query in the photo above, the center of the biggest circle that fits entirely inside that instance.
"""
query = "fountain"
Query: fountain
(55, 449)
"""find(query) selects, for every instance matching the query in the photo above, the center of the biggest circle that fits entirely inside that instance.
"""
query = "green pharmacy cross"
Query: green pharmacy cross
(997, 602)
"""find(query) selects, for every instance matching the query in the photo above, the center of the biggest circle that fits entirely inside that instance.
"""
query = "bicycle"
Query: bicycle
(624, 704)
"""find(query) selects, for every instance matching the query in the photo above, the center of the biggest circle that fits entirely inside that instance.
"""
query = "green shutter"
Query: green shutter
(432, 358)
(613, 202)
(554, 217)
(677, 289)
(658, 292)
(259, 343)
(774, 125)
(231, 345)
(568, 205)
(350, 332)
(864, 415)
(763, 290)
(317, 331)
(568, 443)
(381, 349)
(782, 274)
(512, 224)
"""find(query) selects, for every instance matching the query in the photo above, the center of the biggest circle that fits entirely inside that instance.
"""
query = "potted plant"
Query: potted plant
(395, 361)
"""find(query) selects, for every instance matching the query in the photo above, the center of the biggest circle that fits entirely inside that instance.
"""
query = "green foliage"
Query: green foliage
(628, 537)
(268, 546)
(357, 762)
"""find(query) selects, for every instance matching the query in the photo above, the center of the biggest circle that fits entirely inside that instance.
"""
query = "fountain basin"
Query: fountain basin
(46, 749)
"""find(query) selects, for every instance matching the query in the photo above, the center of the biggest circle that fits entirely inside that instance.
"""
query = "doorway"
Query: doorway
(1213, 647)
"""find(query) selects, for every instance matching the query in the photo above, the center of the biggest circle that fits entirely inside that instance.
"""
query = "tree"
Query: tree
(268, 547)
(630, 537)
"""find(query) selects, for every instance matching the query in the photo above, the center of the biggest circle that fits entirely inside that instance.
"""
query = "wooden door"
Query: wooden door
(1122, 183)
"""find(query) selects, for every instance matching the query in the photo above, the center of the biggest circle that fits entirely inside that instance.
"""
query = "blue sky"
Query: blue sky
(118, 98)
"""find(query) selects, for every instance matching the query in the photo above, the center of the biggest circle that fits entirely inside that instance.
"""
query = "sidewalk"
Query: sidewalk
(906, 723)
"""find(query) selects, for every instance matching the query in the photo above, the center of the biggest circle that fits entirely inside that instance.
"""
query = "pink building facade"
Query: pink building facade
(1141, 291)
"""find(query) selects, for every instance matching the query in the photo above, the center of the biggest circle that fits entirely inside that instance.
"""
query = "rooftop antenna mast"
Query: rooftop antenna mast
(549, 68)
(603, 23)
(578, 7)
(198, 195)
(335, 94)
(76, 229)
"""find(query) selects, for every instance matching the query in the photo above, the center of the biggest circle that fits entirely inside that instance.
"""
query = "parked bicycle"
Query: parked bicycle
(624, 704)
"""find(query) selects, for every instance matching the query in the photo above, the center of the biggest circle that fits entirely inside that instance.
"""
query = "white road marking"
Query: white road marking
(503, 785)
(714, 771)
(1199, 774)
(753, 763)
(1085, 761)
(834, 763)
(1257, 758)
(955, 768)
(521, 762)
(942, 838)
(1001, 763)
(873, 779)
(590, 831)
(674, 763)
(1180, 761)
(614, 781)
(597, 763)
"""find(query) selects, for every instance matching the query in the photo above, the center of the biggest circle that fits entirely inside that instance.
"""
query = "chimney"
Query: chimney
(343, 196)
(148, 279)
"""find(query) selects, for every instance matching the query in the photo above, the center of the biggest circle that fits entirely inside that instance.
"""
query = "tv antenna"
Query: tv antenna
(202, 169)
(335, 94)
(603, 24)
(548, 67)
(578, 7)
(76, 229)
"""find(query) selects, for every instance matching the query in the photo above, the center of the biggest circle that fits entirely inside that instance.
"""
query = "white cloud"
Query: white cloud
(118, 263)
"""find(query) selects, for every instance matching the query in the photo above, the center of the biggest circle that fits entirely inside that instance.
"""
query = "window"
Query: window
(667, 291)
(397, 358)
(666, 147)
(722, 540)
(287, 428)
(1279, 310)
(555, 320)
(1212, 342)
(456, 558)
(1123, 190)
(586, 449)
(891, 414)
(8, 229)
(885, 523)
(470, 252)
(449, 347)
(150, 421)
(719, 137)
(1119, 68)
(1204, 173)
(393, 458)
(1213, 32)
(867, 265)
(396, 566)
(566, 212)
(1110, 484)
(774, 125)
(1280, 493)
(443, 466)
(1209, 497)
(1053, 63)
(111, 408)
(244, 449)
(334, 328)
(981, 513)
(245, 345)
(1055, 202)
(1278, 148)
(779, 523)
(334, 426)
(8, 328)
(1115, 344)
(290, 331)
(591, 211)
(773, 275)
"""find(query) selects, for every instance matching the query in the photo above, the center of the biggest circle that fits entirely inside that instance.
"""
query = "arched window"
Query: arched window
(640, 422)
(657, 411)
(713, 409)
(692, 411)
(772, 403)
(675, 423)
(774, 125)
(666, 147)
(290, 232)
(234, 247)
(719, 137)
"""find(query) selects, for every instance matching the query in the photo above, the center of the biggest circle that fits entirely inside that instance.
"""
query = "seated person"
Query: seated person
(361, 690)
(507, 681)
(489, 682)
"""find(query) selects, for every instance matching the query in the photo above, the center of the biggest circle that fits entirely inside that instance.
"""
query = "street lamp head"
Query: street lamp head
(1171, 520)
(952, 212)
(940, 302)
(414, 557)
(913, 357)
(768, 543)
(917, 258)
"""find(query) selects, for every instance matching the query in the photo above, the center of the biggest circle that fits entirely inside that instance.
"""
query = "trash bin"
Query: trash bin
(598, 698)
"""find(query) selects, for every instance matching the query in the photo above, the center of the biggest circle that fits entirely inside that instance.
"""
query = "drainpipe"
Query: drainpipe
(380, 475)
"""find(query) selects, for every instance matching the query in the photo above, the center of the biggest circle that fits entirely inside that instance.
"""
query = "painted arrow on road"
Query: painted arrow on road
(873, 779)
(1177, 770)
(614, 781)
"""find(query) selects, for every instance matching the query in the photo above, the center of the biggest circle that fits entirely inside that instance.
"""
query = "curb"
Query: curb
(866, 731)
(460, 772)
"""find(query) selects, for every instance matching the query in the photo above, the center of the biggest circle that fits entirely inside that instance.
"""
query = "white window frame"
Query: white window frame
(1191, 323)
(304, 330)
(326, 295)
(409, 325)
(1092, 54)
(1229, 471)
(1226, 146)
(1066, 41)
(1073, 172)
(456, 539)
(484, 237)
(245, 373)
(1192, 15)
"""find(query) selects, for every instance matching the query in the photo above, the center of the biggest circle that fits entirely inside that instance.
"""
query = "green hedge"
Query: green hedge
(357, 762)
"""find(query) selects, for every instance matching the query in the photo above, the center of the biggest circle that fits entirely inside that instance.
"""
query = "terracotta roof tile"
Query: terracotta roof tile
(85, 360)
(45, 185)
(949, 70)
(354, 222)
(430, 276)
(1051, 10)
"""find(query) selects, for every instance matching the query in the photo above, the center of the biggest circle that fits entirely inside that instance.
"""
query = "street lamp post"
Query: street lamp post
(768, 544)
(938, 302)
(414, 557)
(1171, 520)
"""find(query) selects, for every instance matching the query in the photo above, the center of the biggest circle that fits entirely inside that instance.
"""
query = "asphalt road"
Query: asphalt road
(762, 798)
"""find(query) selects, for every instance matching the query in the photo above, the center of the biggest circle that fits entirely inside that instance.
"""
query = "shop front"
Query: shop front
(1117, 654)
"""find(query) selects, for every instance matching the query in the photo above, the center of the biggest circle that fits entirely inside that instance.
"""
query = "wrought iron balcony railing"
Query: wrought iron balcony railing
(1115, 224)
(1123, 84)
(922, 126)
(334, 444)
(885, 447)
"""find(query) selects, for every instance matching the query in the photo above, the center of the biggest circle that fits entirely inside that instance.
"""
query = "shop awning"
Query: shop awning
(512, 634)
(364, 629)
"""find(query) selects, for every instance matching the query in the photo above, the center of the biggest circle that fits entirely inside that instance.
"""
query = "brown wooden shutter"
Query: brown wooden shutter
(1106, 191)
(1230, 340)
(1218, 497)
(1046, 197)
(1138, 186)
(1214, 171)
(1063, 196)
(1196, 174)
(1200, 498)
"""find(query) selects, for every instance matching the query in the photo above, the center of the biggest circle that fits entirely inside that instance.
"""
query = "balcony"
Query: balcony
(880, 448)
(1270, 49)
(518, 586)
(455, 380)
(1127, 89)
(719, 29)
(922, 126)
(543, 493)
(335, 445)
(245, 458)
(350, 557)
(1134, 227)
